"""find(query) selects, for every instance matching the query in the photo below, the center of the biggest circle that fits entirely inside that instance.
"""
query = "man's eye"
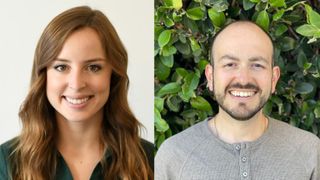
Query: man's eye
(229, 65)
(258, 66)
(60, 68)
(94, 68)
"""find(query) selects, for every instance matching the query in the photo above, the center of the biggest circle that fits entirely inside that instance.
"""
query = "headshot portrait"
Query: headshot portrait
(237, 90)
(80, 71)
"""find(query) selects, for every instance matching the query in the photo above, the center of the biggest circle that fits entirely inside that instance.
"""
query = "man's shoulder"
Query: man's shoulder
(293, 135)
(180, 145)
(188, 136)
(176, 150)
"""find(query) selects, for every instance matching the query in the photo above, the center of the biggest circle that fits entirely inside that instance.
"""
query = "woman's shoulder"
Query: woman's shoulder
(5, 150)
(148, 148)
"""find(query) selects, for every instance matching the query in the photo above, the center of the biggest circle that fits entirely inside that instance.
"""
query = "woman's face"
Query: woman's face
(78, 80)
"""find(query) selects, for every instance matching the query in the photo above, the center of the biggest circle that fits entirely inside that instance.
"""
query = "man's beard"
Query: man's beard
(236, 113)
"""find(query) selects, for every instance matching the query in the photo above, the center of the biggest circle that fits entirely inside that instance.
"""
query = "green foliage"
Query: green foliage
(183, 29)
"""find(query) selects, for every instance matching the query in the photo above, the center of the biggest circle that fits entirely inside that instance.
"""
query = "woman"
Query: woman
(76, 120)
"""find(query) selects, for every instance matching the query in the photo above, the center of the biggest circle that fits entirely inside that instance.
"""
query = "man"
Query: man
(240, 142)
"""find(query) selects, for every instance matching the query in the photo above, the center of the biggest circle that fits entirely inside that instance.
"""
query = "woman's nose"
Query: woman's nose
(76, 80)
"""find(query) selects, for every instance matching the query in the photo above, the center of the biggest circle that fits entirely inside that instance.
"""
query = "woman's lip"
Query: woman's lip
(77, 97)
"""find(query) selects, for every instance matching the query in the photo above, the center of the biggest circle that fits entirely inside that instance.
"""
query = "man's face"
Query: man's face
(242, 77)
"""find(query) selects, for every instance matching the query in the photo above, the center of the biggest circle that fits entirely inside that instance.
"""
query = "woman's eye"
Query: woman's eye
(60, 68)
(94, 68)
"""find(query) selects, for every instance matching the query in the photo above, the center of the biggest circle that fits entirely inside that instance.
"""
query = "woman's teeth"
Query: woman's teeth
(77, 101)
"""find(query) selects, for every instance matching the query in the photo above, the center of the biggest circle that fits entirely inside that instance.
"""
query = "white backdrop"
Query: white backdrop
(22, 23)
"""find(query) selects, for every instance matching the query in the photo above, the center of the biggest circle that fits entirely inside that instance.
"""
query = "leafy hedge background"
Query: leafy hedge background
(183, 29)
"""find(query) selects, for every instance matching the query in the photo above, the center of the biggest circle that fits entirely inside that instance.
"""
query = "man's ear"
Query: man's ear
(209, 76)
(275, 77)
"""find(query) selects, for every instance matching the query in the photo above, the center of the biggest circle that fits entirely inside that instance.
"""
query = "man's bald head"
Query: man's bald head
(241, 32)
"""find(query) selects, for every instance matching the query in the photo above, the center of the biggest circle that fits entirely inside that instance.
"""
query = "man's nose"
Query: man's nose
(76, 80)
(244, 75)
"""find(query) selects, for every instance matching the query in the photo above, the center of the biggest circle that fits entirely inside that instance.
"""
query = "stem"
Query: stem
(296, 4)
(293, 33)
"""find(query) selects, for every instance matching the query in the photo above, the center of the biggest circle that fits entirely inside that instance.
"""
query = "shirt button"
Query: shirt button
(244, 174)
(243, 159)
(238, 147)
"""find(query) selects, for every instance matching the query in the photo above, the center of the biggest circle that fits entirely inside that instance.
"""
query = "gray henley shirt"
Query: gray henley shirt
(283, 152)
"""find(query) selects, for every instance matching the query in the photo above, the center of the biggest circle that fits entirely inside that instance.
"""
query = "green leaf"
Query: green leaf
(217, 18)
(183, 48)
(255, 1)
(277, 3)
(247, 4)
(287, 43)
(307, 66)
(220, 5)
(182, 72)
(309, 120)
(167, 60)
(169, 88)
(190, 84)
(267, 108)
(307, 30)
(301, 59)
(317, 112)
(173, 102)
(202, 65)
(160, 139)
(168, 22)
(164, 38)
(200, 103)
(312, 16)
(281, 29)
(195, 13)
(161, 125)
(304, 88)
(168, 50)
(158, 103)
(279, 103)
(278, 15)
(263, 20)
(194, 44)
(161, 71)
(176, 4)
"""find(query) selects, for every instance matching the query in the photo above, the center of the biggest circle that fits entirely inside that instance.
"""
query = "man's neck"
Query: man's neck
(235, 131)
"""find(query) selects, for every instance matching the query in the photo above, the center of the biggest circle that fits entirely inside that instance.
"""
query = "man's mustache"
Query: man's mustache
(241, 86)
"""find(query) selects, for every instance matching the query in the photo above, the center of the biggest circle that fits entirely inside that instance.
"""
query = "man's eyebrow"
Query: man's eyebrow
(252, 59)
(86, 61)
(258, 58)
(229, 57)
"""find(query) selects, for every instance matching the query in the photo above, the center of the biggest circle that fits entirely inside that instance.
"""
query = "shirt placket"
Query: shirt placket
(243, 158)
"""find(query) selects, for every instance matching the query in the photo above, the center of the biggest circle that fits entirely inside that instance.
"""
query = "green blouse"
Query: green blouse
(62, 171)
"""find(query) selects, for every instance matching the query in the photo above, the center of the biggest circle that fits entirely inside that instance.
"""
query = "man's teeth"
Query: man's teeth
(242, 94)
(77, 101)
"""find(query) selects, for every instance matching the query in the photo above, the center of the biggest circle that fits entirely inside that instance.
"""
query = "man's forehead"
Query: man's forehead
(241, 33)
(241, 28)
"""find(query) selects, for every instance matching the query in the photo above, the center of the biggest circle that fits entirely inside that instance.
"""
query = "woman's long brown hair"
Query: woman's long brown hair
(35, 153)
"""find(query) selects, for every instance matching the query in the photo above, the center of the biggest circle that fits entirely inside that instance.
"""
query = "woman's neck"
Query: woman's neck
(79, 136)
